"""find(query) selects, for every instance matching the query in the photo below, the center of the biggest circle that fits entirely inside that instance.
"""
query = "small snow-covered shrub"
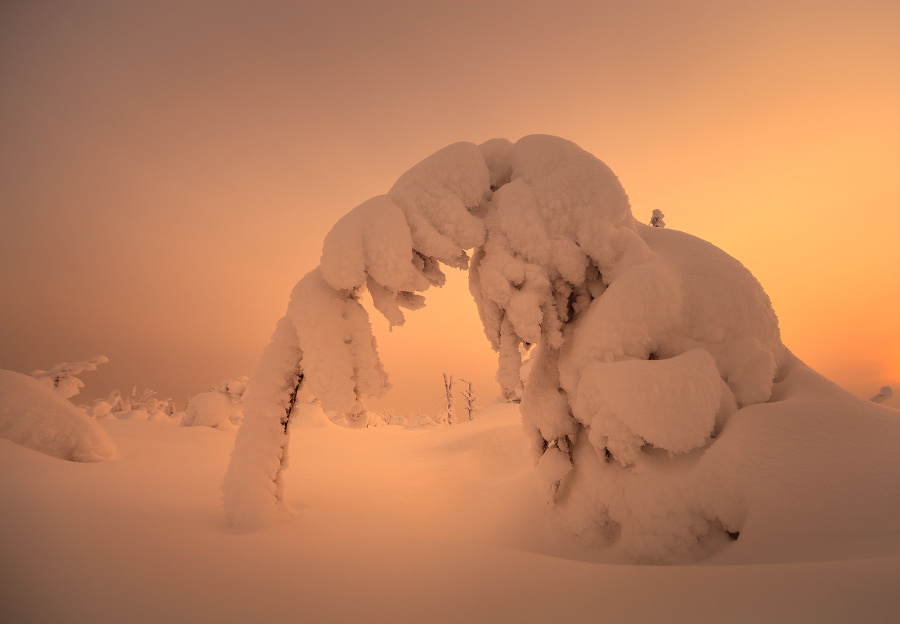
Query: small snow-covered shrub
(221, 407)
(389, 417)
(143, 406)
(99, 410)
(883, 395)
(209, 409)
(33, 415)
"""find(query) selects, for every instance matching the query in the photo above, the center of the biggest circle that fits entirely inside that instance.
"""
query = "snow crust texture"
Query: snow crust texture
(643, 342)
(34, 415)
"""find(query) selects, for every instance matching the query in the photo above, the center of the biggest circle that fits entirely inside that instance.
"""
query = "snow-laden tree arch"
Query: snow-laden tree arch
(647, 339)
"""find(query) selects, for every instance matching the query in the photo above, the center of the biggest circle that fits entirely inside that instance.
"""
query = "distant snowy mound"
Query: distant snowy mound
(33, 415)
(654, 363)
(209, 409)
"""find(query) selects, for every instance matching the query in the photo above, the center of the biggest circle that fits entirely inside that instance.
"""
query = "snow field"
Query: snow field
(395, 525)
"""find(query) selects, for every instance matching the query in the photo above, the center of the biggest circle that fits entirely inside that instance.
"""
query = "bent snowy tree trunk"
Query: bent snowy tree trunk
(392, 246)
(253, 489)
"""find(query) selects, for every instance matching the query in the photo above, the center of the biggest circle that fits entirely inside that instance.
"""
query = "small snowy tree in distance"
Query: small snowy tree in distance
(449, 414)
(883, 395)
(656, 219)
(469, 399)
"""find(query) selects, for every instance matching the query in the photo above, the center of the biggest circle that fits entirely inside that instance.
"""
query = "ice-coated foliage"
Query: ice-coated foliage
(642, 341)
(33, 415)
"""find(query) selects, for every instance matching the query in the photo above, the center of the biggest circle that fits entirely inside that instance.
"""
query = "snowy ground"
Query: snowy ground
(391, 525)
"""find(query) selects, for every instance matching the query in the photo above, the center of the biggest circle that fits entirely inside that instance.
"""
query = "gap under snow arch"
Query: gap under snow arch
(647, 340)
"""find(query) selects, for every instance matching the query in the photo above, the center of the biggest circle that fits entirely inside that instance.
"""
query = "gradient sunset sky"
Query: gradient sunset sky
(170, 169)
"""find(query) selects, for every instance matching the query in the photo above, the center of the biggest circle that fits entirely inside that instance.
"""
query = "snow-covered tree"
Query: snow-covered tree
(469, 398)
(883, 395)
(220, 408)
(62, 379)
(100, 409)
(656, 219)
(448, 413)
(644, 340)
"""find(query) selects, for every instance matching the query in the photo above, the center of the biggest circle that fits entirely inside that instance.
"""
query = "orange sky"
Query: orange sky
(169, 169)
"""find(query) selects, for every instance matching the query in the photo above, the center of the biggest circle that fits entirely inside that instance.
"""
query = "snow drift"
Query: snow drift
(34, 415)
(649, 343)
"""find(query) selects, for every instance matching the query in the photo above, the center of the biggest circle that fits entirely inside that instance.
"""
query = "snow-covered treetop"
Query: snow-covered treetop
(543, 210)
(552, 229)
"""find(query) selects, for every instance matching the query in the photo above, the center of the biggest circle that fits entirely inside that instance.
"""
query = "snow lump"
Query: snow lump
(35, 416)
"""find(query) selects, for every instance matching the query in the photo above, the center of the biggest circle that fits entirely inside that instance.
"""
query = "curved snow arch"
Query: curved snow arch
(646, 338)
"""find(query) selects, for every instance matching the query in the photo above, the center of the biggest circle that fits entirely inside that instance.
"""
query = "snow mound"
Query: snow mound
(33, 415)
(99, 410)
(671, 404)
(209, 409)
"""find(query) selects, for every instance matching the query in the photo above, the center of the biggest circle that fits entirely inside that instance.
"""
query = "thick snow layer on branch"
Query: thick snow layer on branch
(340, 358)
(37, 417)
(371, 240)
(438, 197)
(671, 404)
(561, 213)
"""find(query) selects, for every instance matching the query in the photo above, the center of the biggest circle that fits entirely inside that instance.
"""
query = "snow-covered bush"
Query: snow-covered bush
(100, 409)
(33, 415)
(645, 340)
(134, 406)
(221, 407)
(406, 421)
(209, 409)
(883, 395)
(234, 390)
(61, 378)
